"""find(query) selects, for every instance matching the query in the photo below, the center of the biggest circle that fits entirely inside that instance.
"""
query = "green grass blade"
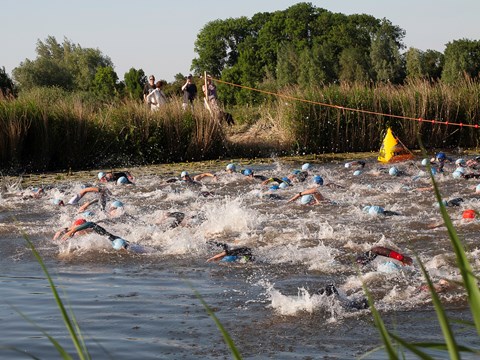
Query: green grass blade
(413, 348)
(226, 336)
(23, 352)
(83, 355)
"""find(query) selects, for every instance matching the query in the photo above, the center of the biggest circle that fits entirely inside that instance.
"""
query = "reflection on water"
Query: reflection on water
(142, 304)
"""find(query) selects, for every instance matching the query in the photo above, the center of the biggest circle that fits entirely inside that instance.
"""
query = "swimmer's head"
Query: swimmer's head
(393, 171)
(468, 214)
(375, 210)
(357, 172)
(425, 162)
(116, 204)
(119, 244)
(87, 213)
(366, 208)
(306, 167)
(184, 174)
(248, 172)
(317, 179)
(58, 202)
(101, 175)
(231, 168)
(296, 172)
(122, 180)
(283, 185)
(461, 162)
(274, 187)
(306, 199)
(477, 188)
(79, 222)
(348, 165)
(441, 156)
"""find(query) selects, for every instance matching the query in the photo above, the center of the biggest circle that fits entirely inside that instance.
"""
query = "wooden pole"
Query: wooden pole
(206, 92)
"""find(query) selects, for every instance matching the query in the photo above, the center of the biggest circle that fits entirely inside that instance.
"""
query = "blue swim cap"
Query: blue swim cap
(366, 208)
(274, 187)
(229, 258)
(286, 179)
(117, 204)
(306, 167)
(231, 167)
(58, 202)
(425, 162)
(122, 180)
(119, 243)
(393, 171)
(306, 199)
(283, 185)
(87, 213)
(317, 179)
(296, 172)
(389, 267)
(357, 172)
(441, 156)
(375, 210)
(101, 175)
(183, 174)
(247, 172)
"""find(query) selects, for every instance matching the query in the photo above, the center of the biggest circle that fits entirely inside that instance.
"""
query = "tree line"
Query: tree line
(301, 46)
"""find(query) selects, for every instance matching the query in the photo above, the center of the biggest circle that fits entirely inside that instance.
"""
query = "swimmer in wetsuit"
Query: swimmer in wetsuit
(371, 254)
(242, 253)
(354, 304)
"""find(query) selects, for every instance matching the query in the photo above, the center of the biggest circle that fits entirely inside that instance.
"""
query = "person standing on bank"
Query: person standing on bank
(189, 92)
(157, 97)
(148, 88)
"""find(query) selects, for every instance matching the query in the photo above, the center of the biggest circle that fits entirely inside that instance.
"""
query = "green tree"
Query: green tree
(65, 65)
(354, 65)
(433, 63)
(288, 66)
(105, 83)
(462, 59)
(415, 65)
(135, 80)
(385, 53)
(7, 88)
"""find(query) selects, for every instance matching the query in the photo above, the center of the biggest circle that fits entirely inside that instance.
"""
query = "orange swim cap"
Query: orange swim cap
(79, 222)
(468, 214)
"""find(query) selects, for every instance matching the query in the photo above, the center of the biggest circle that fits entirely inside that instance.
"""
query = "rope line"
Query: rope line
(432, 121)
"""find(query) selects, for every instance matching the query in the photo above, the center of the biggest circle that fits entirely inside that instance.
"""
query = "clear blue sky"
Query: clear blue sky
(158, 36)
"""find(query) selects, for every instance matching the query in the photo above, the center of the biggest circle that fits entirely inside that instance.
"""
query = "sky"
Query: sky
(159, 36)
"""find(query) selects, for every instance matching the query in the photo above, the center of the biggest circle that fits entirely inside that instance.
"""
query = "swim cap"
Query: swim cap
(231, 167)
(101, 175)
(477, 188)
(460, 162)
(117, 204)
(88, 213)
(119, 243)
(248, 172)
(468, 214)
(296, 172)
(306, 167)
(274, 187)
(286, 180)
(317, 179)
(444, 202)
(79, 222)
(348, 165)
(283, 186)
(229, 258)
(58, 202)
(441, 156)
(357, 172)
(122, 180)
(366, 208)
(457, 174)
(183, 174)
(388, 267)
(425, 162)
(306, 199)
(375, 210)
(393, 171)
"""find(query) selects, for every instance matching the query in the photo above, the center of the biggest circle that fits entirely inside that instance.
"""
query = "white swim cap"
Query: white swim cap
(231, 167)
(306, 167)
(375, 210)
(366, 208)
(117, 204)
(357, 172)
(283, 185)
(119, 243)
(348, 165)
(460, 162)
(393, 171)
(183, 174)
(425, 162)
(100, 175)
(122, 180)
(306, 199)
(477, 188)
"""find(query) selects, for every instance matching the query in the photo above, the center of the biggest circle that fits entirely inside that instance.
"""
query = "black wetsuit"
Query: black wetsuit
(330, 290)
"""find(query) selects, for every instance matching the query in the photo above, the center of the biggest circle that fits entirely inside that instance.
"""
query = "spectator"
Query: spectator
(156, 98)
(189, 92)
(148, 88)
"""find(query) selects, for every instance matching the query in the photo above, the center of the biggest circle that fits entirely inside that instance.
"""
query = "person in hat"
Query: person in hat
(189, 92)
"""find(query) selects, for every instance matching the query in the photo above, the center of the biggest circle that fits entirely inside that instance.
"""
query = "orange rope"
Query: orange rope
(476, 126)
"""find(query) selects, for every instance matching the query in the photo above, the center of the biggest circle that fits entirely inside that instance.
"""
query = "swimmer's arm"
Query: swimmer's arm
(59, 233)
(72, 231)
(87, 190)
(218, 257)
(201, 176)
(86, 205)
(295, 197)
(383, 251)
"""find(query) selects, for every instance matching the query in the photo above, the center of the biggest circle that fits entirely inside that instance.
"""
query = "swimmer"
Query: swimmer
(443, 285)
(102, 195)
(317, 181)
(231, 168)
(231, 255)
(187, 179)
(175, 217)
(378, 210)
(439, 160)
(370, 255)
(252, 176)
(298, 176)
(309, 197)
(359, 163)
(468, 216)
(83, 225)
(355, 304)
(123, 177)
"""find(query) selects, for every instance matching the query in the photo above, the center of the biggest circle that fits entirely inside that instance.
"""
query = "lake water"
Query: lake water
(142, 305)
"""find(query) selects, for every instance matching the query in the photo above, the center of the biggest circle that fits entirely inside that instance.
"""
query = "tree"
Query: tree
(7, 88)
(385, 52)
(415, 65)
(135, 80)
(354, 66)
(462, 58)
(105, 83)
(65, 65)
